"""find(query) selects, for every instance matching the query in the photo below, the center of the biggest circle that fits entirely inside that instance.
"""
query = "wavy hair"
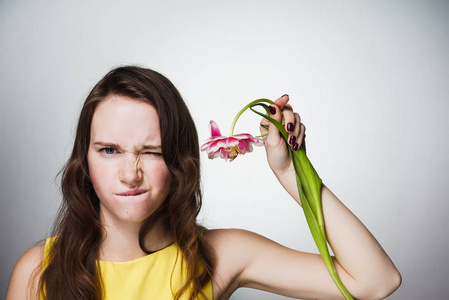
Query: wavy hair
(72, 271)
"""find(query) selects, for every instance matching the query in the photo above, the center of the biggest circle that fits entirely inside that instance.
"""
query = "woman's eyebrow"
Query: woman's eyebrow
(116, 146)
(105, 144)
(151, 147)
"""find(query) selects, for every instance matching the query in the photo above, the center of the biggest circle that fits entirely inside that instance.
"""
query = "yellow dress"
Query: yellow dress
(156, 276)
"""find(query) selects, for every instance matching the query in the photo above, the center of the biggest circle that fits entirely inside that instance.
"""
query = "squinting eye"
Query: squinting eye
(154, 153)
(108, 150)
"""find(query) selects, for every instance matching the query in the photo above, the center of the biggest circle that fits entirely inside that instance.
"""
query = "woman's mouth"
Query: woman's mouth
(135, 192)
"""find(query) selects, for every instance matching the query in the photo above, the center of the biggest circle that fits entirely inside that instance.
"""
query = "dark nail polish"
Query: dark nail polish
(272, 110)
(285, 95)
(295, 147)
(292, 140)
(290, 127)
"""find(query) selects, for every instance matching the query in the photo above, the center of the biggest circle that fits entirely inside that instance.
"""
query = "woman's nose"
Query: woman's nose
(131, 172)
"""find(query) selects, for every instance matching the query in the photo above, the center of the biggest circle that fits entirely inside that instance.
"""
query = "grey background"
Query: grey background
(370, 80)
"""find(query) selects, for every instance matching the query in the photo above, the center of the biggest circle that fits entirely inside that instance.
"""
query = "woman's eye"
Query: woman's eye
(154, 153)
(108, 151)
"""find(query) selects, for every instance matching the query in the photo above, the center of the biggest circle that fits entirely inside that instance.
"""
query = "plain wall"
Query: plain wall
(370, 80)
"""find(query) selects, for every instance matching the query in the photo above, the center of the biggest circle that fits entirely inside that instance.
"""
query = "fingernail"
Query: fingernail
(290, 127)
(272, 110)
(284, 95)
(295, 147)
(292, 140)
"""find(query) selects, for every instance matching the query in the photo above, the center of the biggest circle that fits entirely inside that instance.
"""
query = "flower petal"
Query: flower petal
(228, 148)
(214, 130)
(229, 142)
(242, 136)
(243, 147)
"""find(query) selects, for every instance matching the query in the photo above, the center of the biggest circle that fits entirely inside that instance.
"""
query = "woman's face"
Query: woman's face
(126, 167)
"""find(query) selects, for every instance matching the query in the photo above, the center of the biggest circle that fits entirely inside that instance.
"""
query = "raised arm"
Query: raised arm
(254, 261)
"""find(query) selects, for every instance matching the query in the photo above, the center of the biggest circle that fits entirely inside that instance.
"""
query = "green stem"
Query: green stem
(313, 212)
(309, 189)
(243, 110)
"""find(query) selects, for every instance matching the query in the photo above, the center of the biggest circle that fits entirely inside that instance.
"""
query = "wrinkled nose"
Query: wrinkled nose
(131, 172)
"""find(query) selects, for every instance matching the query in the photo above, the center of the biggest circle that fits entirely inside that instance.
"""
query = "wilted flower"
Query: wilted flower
(228, 147)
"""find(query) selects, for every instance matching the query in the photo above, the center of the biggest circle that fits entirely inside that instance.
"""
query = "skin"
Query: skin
(125, 155)
(362, 264)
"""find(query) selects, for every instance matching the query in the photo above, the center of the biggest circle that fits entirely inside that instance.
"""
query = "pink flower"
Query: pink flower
(228, 147)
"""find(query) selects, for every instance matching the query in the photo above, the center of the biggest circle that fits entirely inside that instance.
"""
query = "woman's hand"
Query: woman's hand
(277, 153)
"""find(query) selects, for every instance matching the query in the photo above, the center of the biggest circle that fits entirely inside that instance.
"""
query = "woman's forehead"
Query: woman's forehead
(122, 119)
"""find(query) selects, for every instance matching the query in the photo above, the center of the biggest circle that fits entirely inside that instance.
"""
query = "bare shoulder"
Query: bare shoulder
(234, 249)
(227, 244)
(233, 243)
(228, 239)
(237, 246)
(24, 279)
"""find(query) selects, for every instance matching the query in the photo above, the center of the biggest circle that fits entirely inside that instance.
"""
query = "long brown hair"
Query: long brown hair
(72, 271)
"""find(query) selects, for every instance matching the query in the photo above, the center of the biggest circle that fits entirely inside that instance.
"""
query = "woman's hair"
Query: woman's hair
(72, 271)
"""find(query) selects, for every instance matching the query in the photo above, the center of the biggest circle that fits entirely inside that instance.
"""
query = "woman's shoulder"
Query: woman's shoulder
(219, 238)
(232, 245)
(238, 245)
(234, 250)
(25, 275)
(29, 261)
(232, 237)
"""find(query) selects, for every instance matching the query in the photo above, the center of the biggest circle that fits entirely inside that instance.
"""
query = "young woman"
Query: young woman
(131, 193)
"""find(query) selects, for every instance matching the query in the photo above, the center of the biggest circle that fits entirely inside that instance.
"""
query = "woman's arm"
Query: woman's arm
(357, 252)
(25, 279)
(249, 260)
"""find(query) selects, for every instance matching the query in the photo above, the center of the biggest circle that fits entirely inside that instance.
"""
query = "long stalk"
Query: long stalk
(309, 189)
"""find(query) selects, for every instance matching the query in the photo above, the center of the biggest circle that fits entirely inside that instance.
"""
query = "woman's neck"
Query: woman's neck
(121, 243)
